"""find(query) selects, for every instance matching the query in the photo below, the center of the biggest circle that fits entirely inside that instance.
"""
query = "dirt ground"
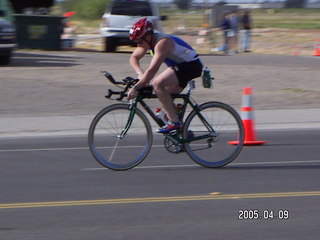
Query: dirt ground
(70, 83)
(264, 40)
(285, 41)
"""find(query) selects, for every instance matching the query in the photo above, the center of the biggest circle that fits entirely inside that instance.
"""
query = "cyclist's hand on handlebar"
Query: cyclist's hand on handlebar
(133, 93)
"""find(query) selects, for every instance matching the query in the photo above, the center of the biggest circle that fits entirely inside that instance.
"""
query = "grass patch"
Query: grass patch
(262, 18)
(286, 18)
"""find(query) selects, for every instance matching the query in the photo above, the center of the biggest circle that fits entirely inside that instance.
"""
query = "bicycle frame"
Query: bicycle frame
(187, 101)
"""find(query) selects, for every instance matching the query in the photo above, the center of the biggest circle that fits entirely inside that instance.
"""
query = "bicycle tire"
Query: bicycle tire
(108, 148)
(214, 151)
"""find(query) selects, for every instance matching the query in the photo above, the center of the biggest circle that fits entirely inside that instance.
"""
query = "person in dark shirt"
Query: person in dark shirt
(246, 25)
(224, 26)
(234, 27)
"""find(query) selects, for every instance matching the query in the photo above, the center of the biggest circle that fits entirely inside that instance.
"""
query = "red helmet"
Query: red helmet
(140, 28)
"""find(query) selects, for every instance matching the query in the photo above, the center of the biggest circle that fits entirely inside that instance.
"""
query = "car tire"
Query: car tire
(5, 60)
(110, 45)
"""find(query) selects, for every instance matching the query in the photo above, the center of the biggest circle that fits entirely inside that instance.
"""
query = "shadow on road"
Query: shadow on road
(42, 60)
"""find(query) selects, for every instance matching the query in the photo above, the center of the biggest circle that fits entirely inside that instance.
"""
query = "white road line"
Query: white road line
(194, 165)
(281, 162)
(155, 167)
(64, 149)
(42, 149)
(146, 167)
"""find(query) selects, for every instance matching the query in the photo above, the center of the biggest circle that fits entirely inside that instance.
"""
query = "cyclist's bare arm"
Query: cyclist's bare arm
(162, 49)
(135, 57)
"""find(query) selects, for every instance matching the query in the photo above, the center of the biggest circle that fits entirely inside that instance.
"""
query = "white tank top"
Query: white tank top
(182, 51)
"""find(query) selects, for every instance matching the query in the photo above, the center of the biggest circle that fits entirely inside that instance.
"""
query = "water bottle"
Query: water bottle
(206, 78)
(162, 115)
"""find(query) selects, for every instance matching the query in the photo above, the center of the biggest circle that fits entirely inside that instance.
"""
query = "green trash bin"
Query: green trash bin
(39, 31)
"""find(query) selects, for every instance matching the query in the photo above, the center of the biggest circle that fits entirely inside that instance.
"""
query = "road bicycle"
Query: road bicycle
(120, 135)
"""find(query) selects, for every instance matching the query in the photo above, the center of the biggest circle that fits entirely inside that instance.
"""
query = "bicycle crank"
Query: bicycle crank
(172, 142)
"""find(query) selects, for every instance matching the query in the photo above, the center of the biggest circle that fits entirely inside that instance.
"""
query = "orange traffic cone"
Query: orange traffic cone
(247, 120)
(317, 48)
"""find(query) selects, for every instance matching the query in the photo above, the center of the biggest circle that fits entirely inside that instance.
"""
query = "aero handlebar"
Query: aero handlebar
(128, 82)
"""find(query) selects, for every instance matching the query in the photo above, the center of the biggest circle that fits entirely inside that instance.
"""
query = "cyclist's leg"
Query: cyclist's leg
(165, 84)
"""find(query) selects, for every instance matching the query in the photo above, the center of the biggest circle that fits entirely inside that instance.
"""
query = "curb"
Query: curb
(286, 119)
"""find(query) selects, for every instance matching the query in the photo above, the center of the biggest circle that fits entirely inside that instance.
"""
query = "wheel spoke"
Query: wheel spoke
(114, 149)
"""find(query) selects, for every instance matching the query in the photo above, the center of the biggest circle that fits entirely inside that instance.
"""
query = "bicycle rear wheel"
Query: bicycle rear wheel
(208, 146)
(113, 151)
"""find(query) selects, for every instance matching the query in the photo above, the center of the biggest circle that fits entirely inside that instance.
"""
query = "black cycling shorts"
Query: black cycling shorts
(187, 71)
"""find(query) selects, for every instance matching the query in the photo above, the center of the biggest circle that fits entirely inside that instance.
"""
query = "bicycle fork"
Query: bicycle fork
(132, 108)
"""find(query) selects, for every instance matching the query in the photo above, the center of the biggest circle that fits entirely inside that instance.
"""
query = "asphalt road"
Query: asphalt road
(52, 188)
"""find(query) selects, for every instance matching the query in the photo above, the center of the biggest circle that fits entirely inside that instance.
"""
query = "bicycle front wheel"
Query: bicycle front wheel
(112, 148)
(209, 131)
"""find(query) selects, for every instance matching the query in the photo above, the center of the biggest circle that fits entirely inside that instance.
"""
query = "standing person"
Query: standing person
(183, 65)
(224, 26)
(246, 23)
(234, 28)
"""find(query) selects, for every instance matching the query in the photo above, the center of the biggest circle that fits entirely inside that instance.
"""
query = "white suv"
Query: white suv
(119, 18)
